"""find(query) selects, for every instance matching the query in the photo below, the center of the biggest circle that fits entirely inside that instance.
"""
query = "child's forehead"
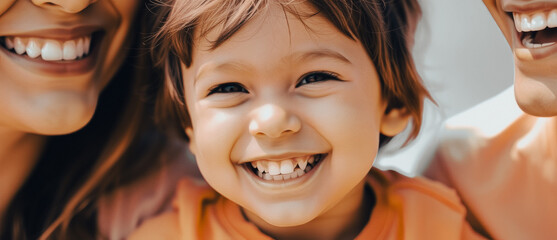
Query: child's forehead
(212, 33)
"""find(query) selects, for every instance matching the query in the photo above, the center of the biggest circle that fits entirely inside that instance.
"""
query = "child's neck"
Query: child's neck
(343, 221)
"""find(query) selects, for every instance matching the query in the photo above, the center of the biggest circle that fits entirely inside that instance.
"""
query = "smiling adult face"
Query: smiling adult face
(55, 58)
(530, 27)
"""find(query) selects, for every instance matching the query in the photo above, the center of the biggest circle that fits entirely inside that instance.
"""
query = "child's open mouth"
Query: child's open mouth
(284, 169)
(536, 30)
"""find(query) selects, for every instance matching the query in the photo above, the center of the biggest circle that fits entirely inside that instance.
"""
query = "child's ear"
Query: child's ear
(189, 132)
(394, 121)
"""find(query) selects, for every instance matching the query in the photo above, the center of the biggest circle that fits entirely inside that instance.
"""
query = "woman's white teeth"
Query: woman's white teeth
(69, 50)
(535, 21)
(9, 43)
(49, 49)
(527, 42)
(52, 50)
(283, 170)
(33, 50)
(19, 46)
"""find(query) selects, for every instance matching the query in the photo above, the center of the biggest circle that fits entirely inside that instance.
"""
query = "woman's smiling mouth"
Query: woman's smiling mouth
(287, 169)
(50, 49)
(537, 29)
(69, 56)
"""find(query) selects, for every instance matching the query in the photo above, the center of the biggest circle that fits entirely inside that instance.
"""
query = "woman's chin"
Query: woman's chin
(66, 121)
(536, 97)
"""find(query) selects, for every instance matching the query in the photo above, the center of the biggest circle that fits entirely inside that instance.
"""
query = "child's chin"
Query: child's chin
(288, 218)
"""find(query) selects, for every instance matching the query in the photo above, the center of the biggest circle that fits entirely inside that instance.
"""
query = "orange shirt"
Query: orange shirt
(406, 208)
(503, 164)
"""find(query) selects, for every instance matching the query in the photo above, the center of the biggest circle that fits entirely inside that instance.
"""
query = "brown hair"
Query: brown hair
(118, 145)
(384, 27)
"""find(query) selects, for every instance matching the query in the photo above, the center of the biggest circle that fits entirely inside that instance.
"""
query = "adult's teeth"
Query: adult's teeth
(517, 23)
(79, 48)
(525, 23)
(52, 51)
(537, 21)
(86, 45)
(19, 46)
(552, 19)
(33, 49)
(69, 52)
(9, 43)
(527, 42)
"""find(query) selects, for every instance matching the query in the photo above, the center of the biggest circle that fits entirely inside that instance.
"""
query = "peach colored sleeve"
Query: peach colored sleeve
(126, 208)
(165, 226)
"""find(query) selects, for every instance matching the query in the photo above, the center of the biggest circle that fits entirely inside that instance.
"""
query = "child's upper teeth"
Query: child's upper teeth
(50, 49)
(536, 21)
(286, 166)
(302, 162)
(274, 168)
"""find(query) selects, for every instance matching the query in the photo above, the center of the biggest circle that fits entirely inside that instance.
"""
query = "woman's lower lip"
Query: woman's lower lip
(61, 68)
(524, 53)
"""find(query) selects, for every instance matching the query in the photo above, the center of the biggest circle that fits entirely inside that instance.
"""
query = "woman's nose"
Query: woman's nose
(69, 6)
(273, 121)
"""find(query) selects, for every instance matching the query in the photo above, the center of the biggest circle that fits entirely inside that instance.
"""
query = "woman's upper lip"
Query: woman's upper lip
(527, 6)
(60, 33)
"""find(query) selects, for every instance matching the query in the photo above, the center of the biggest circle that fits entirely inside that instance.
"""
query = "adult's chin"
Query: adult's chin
(58, 115)
(536, 93)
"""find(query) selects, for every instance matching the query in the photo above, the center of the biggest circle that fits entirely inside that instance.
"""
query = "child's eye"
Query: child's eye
(314, 77)
(228, 88)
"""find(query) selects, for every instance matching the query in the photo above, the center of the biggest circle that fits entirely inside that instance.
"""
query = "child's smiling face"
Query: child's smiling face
(279, 96)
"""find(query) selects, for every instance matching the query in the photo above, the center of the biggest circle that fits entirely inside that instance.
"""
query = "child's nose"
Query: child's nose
(68, 6)
(273, 121)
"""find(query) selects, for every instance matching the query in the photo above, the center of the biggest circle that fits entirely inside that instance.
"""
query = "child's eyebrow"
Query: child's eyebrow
(303, 56)
(223, 66)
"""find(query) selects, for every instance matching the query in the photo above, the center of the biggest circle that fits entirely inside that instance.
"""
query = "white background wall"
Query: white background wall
(464, 59)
